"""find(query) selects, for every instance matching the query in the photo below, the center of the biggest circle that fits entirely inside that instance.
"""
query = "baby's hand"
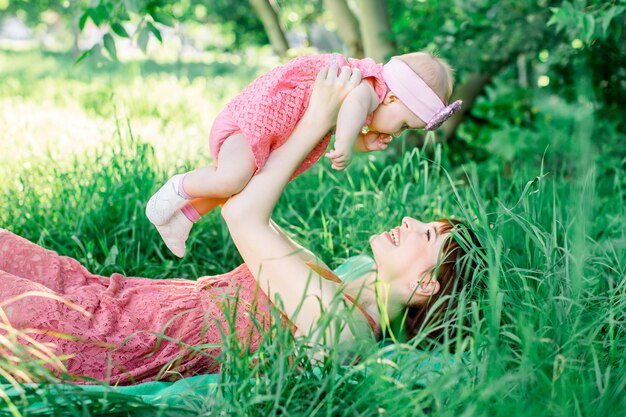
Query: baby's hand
(373, 141)
(341, 158)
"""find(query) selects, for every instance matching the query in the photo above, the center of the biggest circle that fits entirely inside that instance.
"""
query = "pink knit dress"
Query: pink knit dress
(121, 335)
(268, 109)
(117, 331)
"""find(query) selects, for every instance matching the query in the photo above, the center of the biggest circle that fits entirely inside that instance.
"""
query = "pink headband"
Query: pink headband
(416, 94)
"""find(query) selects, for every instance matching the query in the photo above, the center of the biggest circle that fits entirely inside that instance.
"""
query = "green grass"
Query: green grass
(547, 335)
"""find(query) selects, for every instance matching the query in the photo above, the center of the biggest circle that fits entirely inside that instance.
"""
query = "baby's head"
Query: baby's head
(420, 86)
(435, 72)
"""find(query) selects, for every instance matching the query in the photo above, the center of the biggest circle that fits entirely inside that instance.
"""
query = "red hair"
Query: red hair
(454, 272)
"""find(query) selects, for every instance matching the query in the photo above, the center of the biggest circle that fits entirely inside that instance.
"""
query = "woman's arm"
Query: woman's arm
(303, 294)
(303, 253)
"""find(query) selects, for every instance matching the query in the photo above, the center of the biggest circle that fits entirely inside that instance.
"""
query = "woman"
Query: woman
(124, 330)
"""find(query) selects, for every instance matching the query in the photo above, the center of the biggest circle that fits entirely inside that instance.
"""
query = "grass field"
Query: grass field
(83, 149)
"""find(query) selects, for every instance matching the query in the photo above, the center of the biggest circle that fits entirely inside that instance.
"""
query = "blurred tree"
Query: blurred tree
(535, 43)
(375, 27)
(233, 15)
(483, 39)
(31, 11)
(266, 12)
(347, 26)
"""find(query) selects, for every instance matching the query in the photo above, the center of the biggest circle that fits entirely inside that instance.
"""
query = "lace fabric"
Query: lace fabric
(116, 336)
(268, 109)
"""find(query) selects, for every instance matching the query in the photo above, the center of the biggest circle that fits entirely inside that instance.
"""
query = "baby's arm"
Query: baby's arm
(353, 112)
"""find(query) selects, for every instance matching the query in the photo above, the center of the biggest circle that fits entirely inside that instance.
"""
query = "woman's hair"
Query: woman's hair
(454, 272)
(435, 72)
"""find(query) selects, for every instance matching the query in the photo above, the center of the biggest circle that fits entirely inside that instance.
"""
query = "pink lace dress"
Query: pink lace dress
(268, 109)
(127, 330)
(117, 332)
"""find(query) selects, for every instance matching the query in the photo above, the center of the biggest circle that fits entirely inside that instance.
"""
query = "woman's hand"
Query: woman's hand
(329, 91)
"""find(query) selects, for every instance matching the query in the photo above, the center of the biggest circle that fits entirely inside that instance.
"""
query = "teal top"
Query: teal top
(354, 267)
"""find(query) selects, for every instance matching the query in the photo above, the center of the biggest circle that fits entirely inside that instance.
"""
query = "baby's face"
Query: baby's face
(393, 117)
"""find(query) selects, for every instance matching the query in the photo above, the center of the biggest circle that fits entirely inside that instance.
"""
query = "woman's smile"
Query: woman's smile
(394, 236)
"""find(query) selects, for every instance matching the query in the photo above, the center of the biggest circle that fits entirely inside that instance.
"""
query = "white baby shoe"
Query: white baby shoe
(165, 202)
(175, 233)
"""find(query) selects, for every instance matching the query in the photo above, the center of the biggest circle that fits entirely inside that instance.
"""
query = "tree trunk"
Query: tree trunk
(269, 18)
(347, 26)
(375, 29)
(75, 33)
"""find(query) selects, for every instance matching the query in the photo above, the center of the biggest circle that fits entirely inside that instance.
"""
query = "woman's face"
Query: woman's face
(406, 254)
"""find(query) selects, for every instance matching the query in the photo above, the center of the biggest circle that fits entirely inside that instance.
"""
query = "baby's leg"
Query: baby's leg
(235, 166)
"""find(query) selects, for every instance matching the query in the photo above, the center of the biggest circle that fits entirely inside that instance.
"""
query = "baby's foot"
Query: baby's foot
(165, 202)
(175, 233)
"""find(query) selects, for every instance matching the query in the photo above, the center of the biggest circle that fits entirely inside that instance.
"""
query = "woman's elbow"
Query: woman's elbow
(229, 213)
(238, 216)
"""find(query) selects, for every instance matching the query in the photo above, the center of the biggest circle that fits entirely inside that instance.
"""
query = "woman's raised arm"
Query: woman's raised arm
(267, 253)
(328, 93)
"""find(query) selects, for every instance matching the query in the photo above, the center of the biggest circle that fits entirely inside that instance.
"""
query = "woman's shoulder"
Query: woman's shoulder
(332, 276)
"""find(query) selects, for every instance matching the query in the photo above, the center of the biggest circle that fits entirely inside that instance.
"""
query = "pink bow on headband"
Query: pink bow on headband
(417, 95)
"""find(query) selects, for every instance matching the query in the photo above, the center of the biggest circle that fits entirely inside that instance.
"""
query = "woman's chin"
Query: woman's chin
(377, 243)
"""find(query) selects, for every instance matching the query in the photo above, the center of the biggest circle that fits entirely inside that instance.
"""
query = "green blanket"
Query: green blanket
(177, 393)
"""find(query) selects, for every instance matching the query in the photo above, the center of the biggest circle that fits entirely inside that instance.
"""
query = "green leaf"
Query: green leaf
(132, 5)
(561, 18)
(589, 26)
(609, 15)
(142, 38)
(83, 20)
(94, 16)
(109, 45)
(96, 52)
(123, 15)
(102, 12)
(83, 56)
(119, 30)
(155, 31)
(162, 18)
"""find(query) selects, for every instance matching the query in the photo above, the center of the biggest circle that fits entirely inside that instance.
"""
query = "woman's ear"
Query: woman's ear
(428, 288)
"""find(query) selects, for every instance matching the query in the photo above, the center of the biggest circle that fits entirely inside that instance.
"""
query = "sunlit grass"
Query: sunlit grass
(547, 335)
(171, 105)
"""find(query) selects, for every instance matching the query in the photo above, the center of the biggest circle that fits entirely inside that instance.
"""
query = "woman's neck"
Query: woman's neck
(367, 291)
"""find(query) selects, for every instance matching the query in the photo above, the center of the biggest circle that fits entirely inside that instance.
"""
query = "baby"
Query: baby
(411, 91)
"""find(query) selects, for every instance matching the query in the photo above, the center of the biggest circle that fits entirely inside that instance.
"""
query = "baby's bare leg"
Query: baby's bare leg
(211, 186)
(234, 169)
